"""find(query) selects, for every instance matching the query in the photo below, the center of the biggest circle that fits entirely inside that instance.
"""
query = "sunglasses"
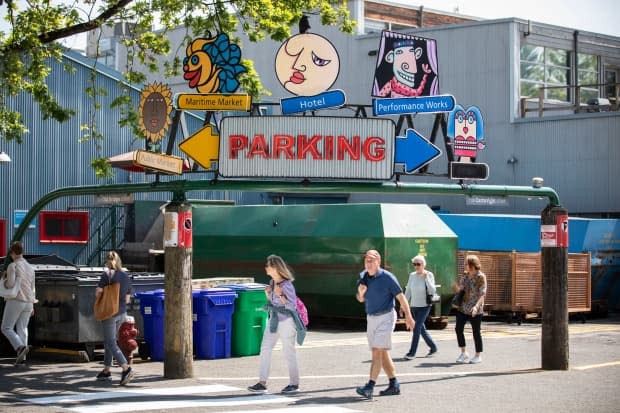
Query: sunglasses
(417, 263)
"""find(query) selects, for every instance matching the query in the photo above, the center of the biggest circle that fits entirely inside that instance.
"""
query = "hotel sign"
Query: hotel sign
(307, 147)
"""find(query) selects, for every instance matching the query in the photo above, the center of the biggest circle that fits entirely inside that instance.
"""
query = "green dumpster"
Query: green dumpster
(324, 245)
(249, 319)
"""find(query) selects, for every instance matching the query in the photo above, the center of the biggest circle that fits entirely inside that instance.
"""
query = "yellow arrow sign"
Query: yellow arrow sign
(203, 147)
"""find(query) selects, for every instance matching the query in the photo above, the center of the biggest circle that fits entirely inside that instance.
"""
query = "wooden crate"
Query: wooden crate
(514, 281)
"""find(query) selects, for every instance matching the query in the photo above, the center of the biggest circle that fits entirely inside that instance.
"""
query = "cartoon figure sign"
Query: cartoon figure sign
(307, 65)
(406, 67)
(466, 131)
(212, 64)
(155, 108)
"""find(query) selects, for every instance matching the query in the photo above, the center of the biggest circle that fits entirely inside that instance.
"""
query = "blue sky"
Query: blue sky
(598, 16)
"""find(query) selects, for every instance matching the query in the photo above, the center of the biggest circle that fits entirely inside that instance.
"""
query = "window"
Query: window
(587, 74)
(545, 66)
(63, 227)
(611, 76)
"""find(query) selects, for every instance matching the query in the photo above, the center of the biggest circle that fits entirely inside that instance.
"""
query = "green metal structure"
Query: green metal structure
(323, 244)
(180, 187)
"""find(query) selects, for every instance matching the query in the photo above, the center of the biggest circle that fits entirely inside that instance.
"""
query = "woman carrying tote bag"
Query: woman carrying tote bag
(113, 274)
(19, 309)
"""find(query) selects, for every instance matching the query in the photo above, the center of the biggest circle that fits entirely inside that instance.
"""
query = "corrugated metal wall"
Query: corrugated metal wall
(51, 157)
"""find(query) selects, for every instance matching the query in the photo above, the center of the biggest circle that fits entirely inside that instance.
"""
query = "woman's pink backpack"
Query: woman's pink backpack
(303, 311)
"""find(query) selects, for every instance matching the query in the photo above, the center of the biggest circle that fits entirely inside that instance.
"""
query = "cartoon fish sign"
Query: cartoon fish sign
(212, 64)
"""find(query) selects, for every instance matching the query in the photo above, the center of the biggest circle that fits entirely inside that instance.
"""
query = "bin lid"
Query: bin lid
(217, 291)
(245, 286)
(159, 292)
(222, 299)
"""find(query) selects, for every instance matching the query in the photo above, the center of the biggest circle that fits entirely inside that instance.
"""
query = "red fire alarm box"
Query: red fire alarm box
(185, 229)
(561, 230)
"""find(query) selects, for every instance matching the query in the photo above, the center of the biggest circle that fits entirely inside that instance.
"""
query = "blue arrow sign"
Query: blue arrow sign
(414, 151)
(422, 104)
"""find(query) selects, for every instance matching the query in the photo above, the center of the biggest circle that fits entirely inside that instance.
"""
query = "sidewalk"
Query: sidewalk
(333, 363)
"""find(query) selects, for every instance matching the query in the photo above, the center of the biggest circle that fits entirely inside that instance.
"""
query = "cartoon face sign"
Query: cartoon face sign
(307, 64)
(155, 108)
(212, 64)
(466, 128)
(406, 66)
(403, 59)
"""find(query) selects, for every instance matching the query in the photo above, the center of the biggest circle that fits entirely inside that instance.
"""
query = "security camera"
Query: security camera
(537, 182)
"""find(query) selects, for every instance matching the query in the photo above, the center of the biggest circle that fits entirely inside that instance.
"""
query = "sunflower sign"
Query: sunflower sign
(155, 108)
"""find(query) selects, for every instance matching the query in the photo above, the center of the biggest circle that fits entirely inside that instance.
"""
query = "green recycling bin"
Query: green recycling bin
(249, 319)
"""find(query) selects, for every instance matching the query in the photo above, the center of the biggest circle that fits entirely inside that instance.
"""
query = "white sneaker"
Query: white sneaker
(463, 358)
(475, 359)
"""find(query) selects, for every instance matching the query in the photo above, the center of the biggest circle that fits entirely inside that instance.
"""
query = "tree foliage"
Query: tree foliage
(36, 28)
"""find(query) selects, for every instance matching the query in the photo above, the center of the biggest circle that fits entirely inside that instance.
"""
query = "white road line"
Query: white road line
(596, 366)
(167, 391)
(399, 374)
(324, 409)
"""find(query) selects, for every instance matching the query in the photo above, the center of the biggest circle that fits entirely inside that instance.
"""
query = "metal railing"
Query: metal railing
(542, 105)
(106, 234)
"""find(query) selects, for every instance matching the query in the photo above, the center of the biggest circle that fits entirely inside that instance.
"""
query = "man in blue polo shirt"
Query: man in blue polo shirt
(377, 288)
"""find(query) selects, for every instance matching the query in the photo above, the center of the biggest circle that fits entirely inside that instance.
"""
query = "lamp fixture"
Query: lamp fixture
(4, 157)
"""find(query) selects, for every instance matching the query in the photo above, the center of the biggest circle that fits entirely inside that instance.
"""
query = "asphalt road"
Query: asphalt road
(332, 364)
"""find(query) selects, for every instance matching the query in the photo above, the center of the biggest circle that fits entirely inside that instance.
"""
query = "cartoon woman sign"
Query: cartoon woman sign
(406, 67)
(466, 130)
(307, 64)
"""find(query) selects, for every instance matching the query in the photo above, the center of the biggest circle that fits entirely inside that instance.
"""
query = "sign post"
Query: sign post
(554, 263)
(178, 342)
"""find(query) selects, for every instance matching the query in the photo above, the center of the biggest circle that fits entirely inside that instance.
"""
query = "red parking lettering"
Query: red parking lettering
(236, 143)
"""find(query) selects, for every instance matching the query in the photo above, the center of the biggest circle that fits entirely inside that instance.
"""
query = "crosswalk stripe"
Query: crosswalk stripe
(133, 406)
(167, 391)
(92, 402)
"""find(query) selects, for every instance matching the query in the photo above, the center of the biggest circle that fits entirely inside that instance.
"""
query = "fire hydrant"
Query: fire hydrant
(127, 334)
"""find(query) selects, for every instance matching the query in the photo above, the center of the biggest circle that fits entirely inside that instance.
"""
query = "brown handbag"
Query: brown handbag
(106, 304)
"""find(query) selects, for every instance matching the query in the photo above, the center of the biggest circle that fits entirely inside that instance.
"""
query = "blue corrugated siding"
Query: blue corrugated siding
(51, 157)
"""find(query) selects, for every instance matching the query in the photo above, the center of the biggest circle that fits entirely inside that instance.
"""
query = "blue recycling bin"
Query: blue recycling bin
(152, 310)
(212, 316)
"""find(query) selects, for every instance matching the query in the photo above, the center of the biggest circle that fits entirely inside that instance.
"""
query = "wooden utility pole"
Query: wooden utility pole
(178, 345)
(554, 262)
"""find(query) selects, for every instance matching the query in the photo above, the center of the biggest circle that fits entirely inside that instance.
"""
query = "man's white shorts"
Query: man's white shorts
(379, 330)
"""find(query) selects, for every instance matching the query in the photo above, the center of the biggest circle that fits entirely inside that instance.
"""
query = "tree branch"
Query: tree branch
(85, 26)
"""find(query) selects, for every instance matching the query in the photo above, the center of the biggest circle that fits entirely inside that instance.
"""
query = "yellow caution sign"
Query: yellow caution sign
(213, 101)
(203, 147)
